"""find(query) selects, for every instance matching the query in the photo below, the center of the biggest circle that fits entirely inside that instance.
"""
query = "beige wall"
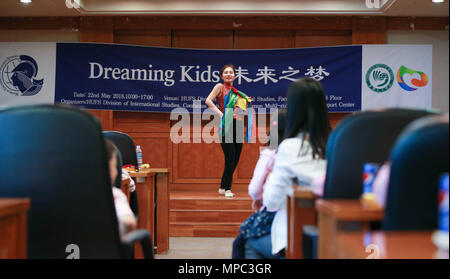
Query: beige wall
(439, 40)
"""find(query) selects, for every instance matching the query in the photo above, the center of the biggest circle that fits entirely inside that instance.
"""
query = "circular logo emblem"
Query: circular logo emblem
(379, 78)
(18, 76)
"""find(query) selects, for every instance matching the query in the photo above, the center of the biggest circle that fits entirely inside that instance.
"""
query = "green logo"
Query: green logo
(379, 78)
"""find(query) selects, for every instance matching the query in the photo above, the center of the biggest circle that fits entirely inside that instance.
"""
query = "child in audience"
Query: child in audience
(262, 169)
(299, 159)
(381, 183)
(126, 219)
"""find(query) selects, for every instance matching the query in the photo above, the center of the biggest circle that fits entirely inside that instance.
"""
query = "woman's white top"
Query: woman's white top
(294, 164)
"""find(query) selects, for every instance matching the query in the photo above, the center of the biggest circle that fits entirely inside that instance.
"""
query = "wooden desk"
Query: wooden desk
(13, 228)
(145, 187)
(338, 216)
(388, 245)
(300, 212)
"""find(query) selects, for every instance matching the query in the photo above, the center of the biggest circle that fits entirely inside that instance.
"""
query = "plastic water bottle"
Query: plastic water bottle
(139, 157)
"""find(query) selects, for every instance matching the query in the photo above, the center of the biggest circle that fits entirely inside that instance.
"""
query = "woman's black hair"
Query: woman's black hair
(307, 112)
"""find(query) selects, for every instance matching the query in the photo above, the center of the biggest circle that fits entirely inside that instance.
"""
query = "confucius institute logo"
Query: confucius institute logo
(380, 78)
(18, 76)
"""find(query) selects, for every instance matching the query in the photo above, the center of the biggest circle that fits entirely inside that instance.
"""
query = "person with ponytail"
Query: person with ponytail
(300, 158)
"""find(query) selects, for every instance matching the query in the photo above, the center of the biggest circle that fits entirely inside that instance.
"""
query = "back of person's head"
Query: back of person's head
(307, 113)
(112, 159)
(279, 124)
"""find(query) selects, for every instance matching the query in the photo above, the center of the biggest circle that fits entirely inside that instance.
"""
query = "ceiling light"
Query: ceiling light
(25, 1)
(437, 1)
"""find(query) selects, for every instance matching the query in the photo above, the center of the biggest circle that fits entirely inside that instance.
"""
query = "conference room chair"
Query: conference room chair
(55, 155)
(358, 139)
(418, 160)
(127, 149)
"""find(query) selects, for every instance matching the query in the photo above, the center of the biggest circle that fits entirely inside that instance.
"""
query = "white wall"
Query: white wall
(439, 40)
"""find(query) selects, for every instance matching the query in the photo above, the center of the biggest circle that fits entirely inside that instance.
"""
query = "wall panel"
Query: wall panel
(317, 38)
(157, 38)
(207, 39)
(261, 39)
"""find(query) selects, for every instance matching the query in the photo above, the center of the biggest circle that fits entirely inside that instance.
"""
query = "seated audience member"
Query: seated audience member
(381, 182)
(125, 217)
(299, 159)
(132, 185)
(255, 189)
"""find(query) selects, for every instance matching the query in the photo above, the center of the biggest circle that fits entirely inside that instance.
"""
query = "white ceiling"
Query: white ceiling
(13, 8)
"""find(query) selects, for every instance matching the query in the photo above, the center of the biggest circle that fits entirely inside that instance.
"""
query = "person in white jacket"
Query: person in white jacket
(300, 158)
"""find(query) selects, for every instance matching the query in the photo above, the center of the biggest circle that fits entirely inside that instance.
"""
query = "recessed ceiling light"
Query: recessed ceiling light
(25, 1)
(438, 1)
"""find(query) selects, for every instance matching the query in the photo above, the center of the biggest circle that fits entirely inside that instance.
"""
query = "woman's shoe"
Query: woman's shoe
(221, 191)
(229, 194)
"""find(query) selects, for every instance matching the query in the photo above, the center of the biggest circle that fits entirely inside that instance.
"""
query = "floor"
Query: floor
(198, 248)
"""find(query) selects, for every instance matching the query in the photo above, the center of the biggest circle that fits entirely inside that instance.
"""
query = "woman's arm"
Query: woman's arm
(262, 169)
(275, 188)
(212, 96)
(291, 163)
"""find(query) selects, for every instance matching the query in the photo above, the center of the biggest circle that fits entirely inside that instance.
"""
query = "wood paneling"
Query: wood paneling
(141, 122)
(316, 38)
(205, 216)
(220, 22)
(257, 39)
(335, 118)
(159, 38)
(198, 160)
(206, 39)
(367, 30)
(213, 214)
(154, 149)
(419, 23)
(39, 23)
(234, 22)
(369, 37)
(205, 185)
(96, 29)
(105, 117)
(100, 30)
(13, 228)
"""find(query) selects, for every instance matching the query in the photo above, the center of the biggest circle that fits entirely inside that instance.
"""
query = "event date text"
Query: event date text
(133, 97)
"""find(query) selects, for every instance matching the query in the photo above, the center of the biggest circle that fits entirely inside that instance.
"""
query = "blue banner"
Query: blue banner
(136, 78)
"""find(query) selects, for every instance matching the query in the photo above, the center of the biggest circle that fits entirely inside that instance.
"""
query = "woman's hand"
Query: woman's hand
(256, 205)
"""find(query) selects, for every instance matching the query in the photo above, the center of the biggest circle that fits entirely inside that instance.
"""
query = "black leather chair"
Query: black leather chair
(56, 157)
(419, 158)
(361, 138)
(127, 149)
(358, 139)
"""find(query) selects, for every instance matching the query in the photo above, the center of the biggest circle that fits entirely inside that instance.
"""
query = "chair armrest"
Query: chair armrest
(144, 238)
(349, 210)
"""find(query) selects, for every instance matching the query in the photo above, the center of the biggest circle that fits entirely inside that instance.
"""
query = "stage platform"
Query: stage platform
(207, 214)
